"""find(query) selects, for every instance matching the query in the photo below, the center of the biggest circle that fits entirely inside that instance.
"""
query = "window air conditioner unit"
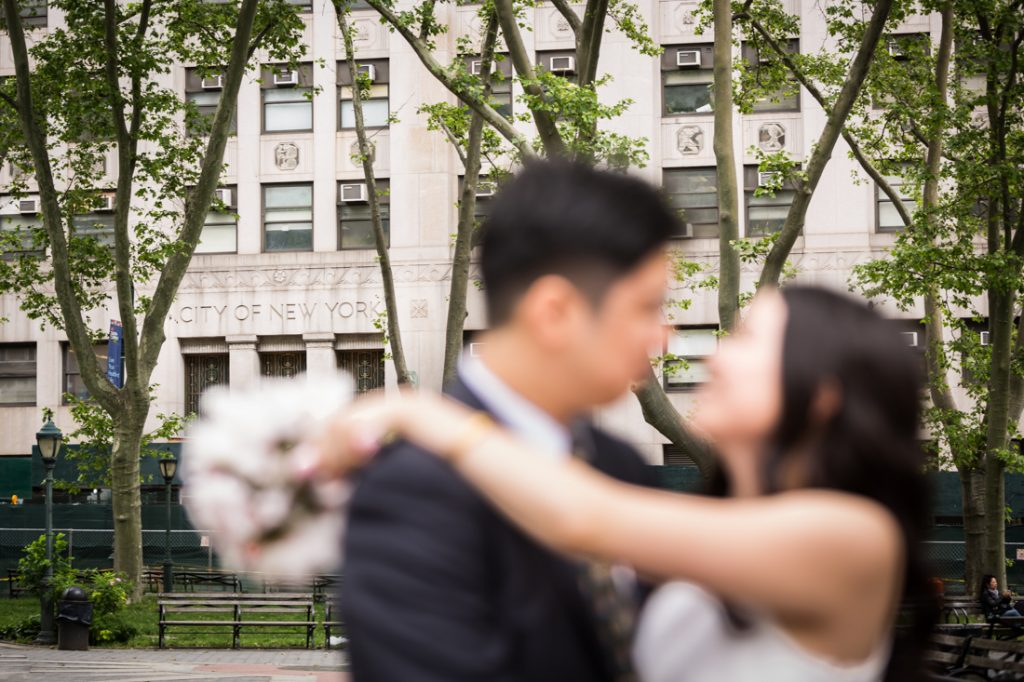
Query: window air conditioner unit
(29, 206)
(910, 338)
(476, 67)
(354, 192)
(688, 58)
(986, 338)
(767, 178)
(895, 49)
(212, 82)
(106, 203)
(286, 78)
(485, 188)
(368, 70)
(223, 195)
(563, 65)
(763, 57)
(475, 349)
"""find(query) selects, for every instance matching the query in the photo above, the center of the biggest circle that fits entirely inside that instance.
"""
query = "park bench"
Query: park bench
(321, 586)
(190, 579)
(234, 612)
(332, 621)
(14, 586)
(953, 657)
(960, 610)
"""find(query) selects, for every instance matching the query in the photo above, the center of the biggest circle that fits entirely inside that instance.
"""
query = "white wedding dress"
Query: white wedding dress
(684, 635)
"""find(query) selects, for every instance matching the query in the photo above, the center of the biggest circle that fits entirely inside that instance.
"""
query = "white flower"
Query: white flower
(244, 482)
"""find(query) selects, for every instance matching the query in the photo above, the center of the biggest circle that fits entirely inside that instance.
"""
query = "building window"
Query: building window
(17, 374)
(765, 214)
(693, 192)
(288, 217)
(501, 81)
(21, 229)
(376, 111)
(220, 229)
(688, 350)
(355, 228)
(785, 98)
(686, 80)
(285, 364)
(287, 99)
(203, 94)
(365, 366)
(33, 15)
(485, 189)
(203, 370)
(301, 5)
(675, 456)
(559, 62)
(888, 218)
(73, 383)
(99, 223)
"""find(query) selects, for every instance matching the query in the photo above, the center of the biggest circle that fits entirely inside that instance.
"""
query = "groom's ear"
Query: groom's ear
(552, 310)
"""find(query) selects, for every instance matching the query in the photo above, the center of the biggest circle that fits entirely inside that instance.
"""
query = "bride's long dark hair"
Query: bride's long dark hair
(869, 446)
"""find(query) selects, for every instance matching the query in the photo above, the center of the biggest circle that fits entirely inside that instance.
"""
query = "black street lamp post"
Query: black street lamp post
(48, 439)
(168, 467)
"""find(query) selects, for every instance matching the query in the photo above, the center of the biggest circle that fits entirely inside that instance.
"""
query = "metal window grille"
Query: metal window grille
(201, 372)
(282, 364)
(365, 366)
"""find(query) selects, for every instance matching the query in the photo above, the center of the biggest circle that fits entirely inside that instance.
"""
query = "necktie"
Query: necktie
(614, 613)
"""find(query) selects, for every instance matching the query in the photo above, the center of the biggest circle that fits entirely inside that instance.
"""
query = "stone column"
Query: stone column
(243, 361)
(320, 355)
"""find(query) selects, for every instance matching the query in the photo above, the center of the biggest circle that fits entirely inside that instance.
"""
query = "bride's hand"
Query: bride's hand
(354, 436)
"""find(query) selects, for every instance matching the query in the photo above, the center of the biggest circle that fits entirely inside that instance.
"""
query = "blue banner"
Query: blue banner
(115, 348)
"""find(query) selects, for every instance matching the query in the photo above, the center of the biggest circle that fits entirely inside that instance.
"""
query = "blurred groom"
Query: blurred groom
(438, 586)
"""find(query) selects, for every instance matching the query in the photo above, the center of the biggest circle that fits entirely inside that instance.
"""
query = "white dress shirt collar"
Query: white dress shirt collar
(512, 409)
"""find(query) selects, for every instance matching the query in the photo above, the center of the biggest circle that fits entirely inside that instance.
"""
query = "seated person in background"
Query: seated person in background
(995, 604)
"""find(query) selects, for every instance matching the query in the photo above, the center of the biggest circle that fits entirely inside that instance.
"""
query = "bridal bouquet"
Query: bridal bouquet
(245, 474)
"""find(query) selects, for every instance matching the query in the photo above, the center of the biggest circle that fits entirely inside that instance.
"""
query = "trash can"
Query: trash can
(74, 616)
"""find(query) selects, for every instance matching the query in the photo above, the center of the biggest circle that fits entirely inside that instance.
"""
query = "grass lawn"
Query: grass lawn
(143, 616)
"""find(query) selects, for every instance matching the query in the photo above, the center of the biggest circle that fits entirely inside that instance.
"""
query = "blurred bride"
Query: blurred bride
(795, 571)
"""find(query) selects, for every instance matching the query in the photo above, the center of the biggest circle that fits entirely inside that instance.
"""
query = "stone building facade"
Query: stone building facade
(293, 284)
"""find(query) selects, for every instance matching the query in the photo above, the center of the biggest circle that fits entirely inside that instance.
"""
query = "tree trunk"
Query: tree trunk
(997, 416)
(972, 489)
(126, 500)
(455, 325)
(380, 239)
(725, 163)
(661, 414)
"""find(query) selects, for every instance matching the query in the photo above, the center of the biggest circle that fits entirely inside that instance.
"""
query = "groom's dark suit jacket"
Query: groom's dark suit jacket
(439, 588)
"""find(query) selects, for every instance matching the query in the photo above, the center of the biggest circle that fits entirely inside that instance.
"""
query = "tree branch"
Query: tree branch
(566, 10)
(486, 111)
(523, 63)
(588, 41)
(197, 204)
(32, 129)
(127, 141)
(659, 412)
(776, 259)
(379, 238)
(456, 316)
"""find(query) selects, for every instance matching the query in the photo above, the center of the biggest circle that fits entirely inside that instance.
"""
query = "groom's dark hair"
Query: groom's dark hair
(560, 218)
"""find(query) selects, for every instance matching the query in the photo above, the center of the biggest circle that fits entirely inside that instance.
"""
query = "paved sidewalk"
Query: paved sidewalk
(43, 664)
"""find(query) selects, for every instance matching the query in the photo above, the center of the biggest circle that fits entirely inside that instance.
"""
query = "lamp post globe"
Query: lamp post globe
(48, 439)
(168, 467)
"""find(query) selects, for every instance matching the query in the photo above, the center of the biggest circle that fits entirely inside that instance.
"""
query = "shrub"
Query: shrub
(26, 629)
(32, 566)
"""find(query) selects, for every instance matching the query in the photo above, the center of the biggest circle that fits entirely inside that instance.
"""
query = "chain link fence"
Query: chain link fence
(94, 548)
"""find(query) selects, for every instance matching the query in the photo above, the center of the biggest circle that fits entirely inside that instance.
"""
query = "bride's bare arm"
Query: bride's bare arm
(797, 553)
